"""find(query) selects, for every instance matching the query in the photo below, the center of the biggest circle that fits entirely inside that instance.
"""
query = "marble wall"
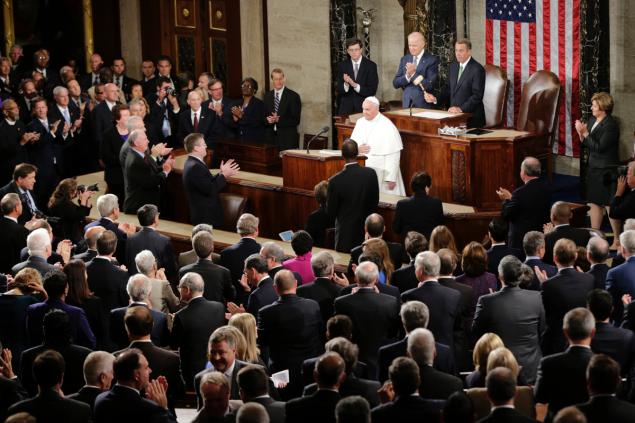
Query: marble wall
(252, 42)
(129, 18)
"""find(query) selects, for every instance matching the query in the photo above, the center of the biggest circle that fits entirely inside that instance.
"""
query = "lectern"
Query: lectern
(303, 171)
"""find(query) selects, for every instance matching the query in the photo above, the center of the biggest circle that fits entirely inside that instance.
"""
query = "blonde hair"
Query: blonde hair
(379, 247)
(441, 237)
(246, 324)
(502, 357)
(604, 101)
(487, 343)
(26, 276)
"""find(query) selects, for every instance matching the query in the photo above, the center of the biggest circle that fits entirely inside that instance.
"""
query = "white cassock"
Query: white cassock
(385, 150)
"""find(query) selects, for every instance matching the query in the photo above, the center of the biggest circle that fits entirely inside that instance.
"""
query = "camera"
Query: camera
(84, 188)
(622, 171)
(169, 90)
(49, 219)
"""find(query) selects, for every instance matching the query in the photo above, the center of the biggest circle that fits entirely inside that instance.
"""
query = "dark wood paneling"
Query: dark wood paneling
(106, 29)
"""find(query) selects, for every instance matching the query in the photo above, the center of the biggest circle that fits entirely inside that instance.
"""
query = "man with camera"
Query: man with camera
(164, 111)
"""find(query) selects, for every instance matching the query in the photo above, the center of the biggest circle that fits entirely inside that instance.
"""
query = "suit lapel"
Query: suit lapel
(466, 72)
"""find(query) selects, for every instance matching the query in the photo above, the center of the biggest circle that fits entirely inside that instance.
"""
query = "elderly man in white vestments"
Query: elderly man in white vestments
(379, 140)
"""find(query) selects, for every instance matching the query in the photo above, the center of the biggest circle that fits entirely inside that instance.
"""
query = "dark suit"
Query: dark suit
(49, 406)
(108, 282)
(375, 322)
(436, 384)
(428, 67)
(44, 155)
(80, 330)
(467, 92)
(317, 408)
(26, 215)
(11, 151)
(390, 290)
(353, 194)
(11, 392)
(14, 239)
(420, 213)
(463, 323)
(323, 291)
(160, 114)
(122, 237)
(233, 382)
(222, 126)
(202, 191)
(251, 127)
(623, 206)
(443, 361)
(160, 245)
(506, 415)
(217, 279)
(34, 262)
(316, 225)
(619, 281)
(518, 317)
(285, 135)
(125, 85)
(550, 270)
(397, 253)
(101, 121)
(561, 379)
(190, 332)
(607, 409)
(87, 395)
(64, 150)
(405, 278)
(109, 149)
(599, 272)
(160, 334)
(86, 80)
(351, 101)
(290, 328)
(353, 385)
(263, 295)
(86, 256)
(122, 404)
(275, 409)
(527, 210)
(205, 124)
(233, 258)
(143, 181)
(578, 235)
(496, 253)
(617, 343)
(407, 409)
(444, 305)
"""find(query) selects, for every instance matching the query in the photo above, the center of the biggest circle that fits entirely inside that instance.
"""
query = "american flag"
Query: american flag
(523, 36)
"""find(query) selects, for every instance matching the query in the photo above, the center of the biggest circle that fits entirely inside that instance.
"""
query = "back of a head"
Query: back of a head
(374, 225)
(106, 204)
(301, 242)
(349, 150)
(487, 343)
(38, 241)
(510, 270)
(415, 243)
(503, 357)
(147, 214)
(578, 324)
(627, 241)
(428, 263)
(202, 227)
(48, 369)
(252, 412)
(501, 385)
(600, 303)
(571, 414)
(458, 409)
(322, 264)
(598, 249)
(329, 369)
(22, 417)
(420, 181)
(560, 212)
(448, 261)
(203, 244)
(353, 409)
(532, 242)
(257, 262)
(531, 166)
(126, 364)
(474, 259)
(138, 321)
(414, 314)
(9, 203)
(194, 282)
(247, 224)
(366, 273)
(603, 375)
(96, 364)
(139, 287)
(339, 325)
(145, 262)
(271, 250)
(56, 327)
(285, 281)
(404, 375)
(421, 346)
(565, 252)
(55, 284)
(346, 349)
(498, 228)
(253, 381)
(106, 243)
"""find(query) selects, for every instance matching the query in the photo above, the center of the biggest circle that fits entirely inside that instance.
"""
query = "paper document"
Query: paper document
(280, 379)
(330, 152)
(434, 115)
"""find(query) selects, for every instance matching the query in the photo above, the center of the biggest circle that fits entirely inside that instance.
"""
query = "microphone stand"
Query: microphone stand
(308, 144)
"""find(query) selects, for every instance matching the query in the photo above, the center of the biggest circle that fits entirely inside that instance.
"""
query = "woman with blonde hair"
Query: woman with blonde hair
(246, 324)
(379, 247)
(487, 343)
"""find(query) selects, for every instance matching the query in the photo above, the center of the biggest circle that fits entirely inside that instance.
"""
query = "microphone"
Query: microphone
(322, 131)
(410, 106)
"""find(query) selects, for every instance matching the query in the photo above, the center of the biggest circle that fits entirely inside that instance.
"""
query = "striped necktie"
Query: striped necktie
(276, 102)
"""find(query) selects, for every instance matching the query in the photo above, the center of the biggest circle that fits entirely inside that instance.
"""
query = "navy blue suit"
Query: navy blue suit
(428, 67)
(443, 361)
(351, 100)
(466, 93)
(123, 404)
(619, 281)
(496, 253)
(547, 268)
(42, 153)
(109, 225)
(81, 332)
(221, 125)
(527, 210)
(202, 191)
(251, 127)
(160, 334)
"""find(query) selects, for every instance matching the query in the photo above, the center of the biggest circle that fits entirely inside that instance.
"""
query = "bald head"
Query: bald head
(560, 213)
(91, 236)
(530, 169)
(285, 282)
(597, 250)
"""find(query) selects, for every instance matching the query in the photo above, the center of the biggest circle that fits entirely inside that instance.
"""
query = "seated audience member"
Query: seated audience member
(319, 221)
(405, 278)
(217, 279)
(49, 405)
(56, 286)
(189, 257)
(375, 316)
(561, 293)
(406, 405)
(617, 343)
(106, 279)
(351, 384)
(162, 297)
(444, 303)
(11, 391)
(622, 206)
(139, 323)
(253, 384)
(22, 184)
(458, 409)
(124, 401)
(560, 228)
(14, 234)
(414, 314)
(57, 336)
(374, 228)
(214, 388)
(353, 409)
(620, 280)
(26, 289)
(497, 233)
(434, 384)
(222, 347)
(421, 212)
(570, 414)
(597, 252)
(302, 244)
(233, 257)
(63, 250)
(255, 277)
(193, 326)
(79, 295)
(474, 265)
(38, 244)
(561, 377)
(534, 247)
(108, 208)
(501, 392)
(148, 238)
(487, 343)
(275, 256)
(249, 116)
(72, 215)
(288, 343)
(138, 289)
(603, 380)
(516, 315)
(320, 406)
(90, 240)
(503, 357)
(98, 374)
(246, 324)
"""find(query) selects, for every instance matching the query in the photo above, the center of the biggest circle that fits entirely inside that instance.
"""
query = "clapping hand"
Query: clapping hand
(581, 128)
(168, 164)
(503, 194)
(547, 228)
(64, 248)
(274, 118)
(540, 274)
(160, 274)
(626, 299)
(237, 112)
(621, 186)
(386, 392)
(233, 308)
(54, 126)
(410, 69)
(5, 364)
(348, 80)
(156, 391)
(229, 168)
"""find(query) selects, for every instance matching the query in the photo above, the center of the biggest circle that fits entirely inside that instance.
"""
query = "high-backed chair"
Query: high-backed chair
(495, 96)
(539, 103)
(233, 206)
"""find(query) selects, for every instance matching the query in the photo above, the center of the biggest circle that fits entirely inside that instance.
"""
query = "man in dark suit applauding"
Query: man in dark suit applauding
(418, 63)
(497, 233)
(597, 251)
(196, 120)
(534, 247)
(465, 87)
(352, 195)
(13, 233)
(201, 188)
(98, 374)
(283, 108)
(356, 79)
(621, 279)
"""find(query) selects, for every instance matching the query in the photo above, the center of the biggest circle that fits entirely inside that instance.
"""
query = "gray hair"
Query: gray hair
(9, 203)
(247, 224)
(598, 249)
(531, 166)
(578, 323)
(532, 242)
(145, 262)
(252, 412)
(629, 224)
(322, 264)
(59, 90)
(38, 241)
(106, 204)
(96, 364)
(271, 250)
(352, 409)
(134, 123)
(414, 315)
(421, 346)
(367, 273)
(429, 263)
(627, 241)
(509, 270)
(133, 136)
(138, 287)
(214, 378)
(193, 282)
(202, 227)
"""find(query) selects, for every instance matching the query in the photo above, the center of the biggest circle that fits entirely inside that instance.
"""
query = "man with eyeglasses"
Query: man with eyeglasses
(357, 79)
(221, 106)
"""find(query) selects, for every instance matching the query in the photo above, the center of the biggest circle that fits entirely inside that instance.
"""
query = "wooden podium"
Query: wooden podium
(302, 170)
(251, 156)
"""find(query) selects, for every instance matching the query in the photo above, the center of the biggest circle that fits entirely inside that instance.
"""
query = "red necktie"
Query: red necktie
(195, 123)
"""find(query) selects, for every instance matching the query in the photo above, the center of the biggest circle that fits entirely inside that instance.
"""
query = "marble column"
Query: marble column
(442, 34)
(129, 23)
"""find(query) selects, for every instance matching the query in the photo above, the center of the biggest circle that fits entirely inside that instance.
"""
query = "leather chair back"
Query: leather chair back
(233, 206)
(539, 103)
(495, 96)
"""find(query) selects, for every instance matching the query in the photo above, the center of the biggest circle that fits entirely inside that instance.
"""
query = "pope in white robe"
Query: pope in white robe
(379, 139)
